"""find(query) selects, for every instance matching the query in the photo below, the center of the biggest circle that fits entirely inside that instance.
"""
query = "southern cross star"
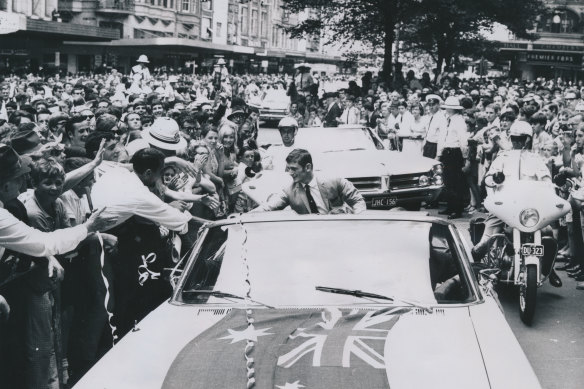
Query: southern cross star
(294, 385)
(250, 333)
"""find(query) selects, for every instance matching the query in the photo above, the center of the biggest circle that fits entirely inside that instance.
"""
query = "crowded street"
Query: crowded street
(257, 194)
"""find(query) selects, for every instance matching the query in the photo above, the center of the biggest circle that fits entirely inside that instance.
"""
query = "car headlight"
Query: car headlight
(437, 169)
(424, 181)
(529, 217)
(437, 179)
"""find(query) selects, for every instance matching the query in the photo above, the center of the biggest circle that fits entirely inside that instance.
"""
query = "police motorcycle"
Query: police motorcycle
(521, 256)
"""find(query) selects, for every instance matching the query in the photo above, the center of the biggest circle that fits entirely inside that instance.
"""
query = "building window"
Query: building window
(264, 25)
(218, 30)
(244, 21)
(186, 5)
(206, 31)
(207, 5)
(254, 22)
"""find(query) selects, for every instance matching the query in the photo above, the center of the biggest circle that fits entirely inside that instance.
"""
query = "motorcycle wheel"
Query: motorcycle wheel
(528, 295)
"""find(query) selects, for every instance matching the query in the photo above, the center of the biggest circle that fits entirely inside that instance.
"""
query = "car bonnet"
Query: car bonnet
(191, 347)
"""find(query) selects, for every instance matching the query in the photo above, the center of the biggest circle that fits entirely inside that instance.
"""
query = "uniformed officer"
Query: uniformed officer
(520, 163)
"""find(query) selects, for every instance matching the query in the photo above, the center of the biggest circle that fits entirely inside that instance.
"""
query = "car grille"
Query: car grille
(366, 183)
(404, 181)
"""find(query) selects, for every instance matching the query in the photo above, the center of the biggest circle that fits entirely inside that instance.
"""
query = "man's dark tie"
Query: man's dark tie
(311, 202)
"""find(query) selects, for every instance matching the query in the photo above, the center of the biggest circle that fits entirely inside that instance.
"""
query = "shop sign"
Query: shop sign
(540, 46)
(559, 58)
(511, 45)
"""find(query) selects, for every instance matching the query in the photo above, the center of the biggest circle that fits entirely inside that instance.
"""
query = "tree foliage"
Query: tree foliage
(446, 29)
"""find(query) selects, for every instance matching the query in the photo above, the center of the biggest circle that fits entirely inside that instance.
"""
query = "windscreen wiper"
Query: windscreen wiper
(218, 293)
(359, 293)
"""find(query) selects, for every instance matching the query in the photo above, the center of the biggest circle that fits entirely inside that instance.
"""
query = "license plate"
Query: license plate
(532, 249)
(383, 202)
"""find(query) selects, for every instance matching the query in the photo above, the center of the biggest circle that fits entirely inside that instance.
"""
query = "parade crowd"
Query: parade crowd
(120, 171)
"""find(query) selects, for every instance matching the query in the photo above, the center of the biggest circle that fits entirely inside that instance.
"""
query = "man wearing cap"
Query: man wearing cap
(520, 163)
(275, 156)
(140, 71)
(452, 151)
(436, 121)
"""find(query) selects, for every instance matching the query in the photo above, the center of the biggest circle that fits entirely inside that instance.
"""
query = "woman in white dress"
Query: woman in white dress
(413, 144)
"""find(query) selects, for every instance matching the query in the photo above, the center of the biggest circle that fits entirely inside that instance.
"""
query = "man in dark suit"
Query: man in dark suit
(311, 194)
(334, 110)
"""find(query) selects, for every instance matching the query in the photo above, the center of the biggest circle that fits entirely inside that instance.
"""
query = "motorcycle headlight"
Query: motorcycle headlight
(529, 217)
(437, 169)
(437, 179)
(423, 181)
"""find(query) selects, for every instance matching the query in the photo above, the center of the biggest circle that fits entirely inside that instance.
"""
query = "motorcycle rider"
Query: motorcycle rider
(522, 165)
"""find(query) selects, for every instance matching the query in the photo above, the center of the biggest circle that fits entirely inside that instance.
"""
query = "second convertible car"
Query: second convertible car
(277, 300)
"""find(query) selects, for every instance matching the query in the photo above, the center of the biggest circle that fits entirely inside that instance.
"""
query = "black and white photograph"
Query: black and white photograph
(291, 194)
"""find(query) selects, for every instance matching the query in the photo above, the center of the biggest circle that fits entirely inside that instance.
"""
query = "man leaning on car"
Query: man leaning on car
(313, 194)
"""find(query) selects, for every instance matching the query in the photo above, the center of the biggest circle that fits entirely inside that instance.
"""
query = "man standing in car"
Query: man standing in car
(310, 193)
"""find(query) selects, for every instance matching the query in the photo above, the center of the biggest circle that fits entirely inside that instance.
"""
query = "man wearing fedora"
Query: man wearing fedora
(140, 70)
(452, 150)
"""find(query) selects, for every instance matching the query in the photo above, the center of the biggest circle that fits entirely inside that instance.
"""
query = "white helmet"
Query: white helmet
(520, 128)
(288, 121)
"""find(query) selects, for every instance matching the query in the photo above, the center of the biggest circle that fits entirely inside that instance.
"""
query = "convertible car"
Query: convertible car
(386, 179)
(279, 300)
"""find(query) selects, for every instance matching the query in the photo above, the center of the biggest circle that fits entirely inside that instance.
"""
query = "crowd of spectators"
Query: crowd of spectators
(166, 153)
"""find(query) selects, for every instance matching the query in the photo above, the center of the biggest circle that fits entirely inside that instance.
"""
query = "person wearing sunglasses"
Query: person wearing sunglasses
(109, 123)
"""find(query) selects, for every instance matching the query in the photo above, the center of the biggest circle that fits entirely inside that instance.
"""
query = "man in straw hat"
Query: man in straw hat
(452, 150)
(140, 70)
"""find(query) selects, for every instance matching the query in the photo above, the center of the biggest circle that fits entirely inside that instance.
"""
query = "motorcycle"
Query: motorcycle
(522, 255)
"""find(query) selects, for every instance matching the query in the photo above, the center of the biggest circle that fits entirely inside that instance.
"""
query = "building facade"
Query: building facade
(179, 35)
(559, 50)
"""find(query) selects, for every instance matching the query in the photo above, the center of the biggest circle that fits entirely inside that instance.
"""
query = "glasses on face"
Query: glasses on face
(88, 117)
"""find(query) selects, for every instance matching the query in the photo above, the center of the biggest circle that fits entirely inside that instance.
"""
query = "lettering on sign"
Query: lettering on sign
(554, 58)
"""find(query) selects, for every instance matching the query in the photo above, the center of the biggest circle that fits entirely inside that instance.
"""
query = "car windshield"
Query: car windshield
(283, 262)
(333, 139)
(276, 96)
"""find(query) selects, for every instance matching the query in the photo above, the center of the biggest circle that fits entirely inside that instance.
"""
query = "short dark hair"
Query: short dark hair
(74, 163)
(299, 156)
(145, 159)
(94, 140)
(510, 115)
(538, 118)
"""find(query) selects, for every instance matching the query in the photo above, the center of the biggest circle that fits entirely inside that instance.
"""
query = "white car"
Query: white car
(275, 105)
(279, 300)
(386, 179)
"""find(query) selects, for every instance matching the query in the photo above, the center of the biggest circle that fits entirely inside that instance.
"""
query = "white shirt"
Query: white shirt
(436, 122)
(520, 165)
(317, 196)
(275, 157)
(17, 236)
(453, 135)
(125, 195)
